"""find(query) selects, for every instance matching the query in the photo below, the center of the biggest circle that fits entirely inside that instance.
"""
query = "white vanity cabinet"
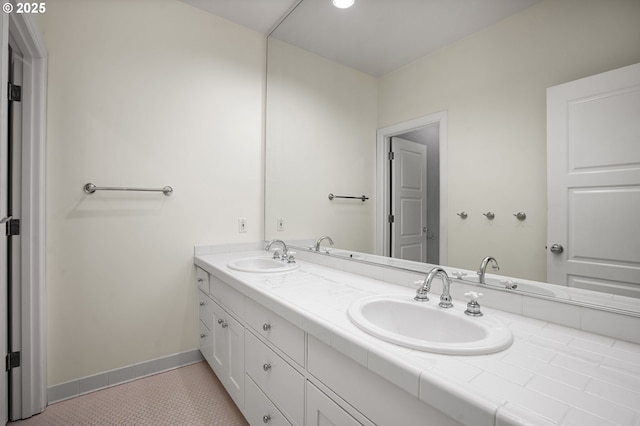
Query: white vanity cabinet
(228, 353)
(322, 411)
(279, 375)
(222, 335)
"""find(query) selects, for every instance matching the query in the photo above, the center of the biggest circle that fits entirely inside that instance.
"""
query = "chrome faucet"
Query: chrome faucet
(445, 298)
(483, 267)
(276, 255)
(319, 240)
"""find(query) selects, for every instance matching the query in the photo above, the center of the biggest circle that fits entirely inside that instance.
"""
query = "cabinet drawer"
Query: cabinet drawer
(206, 342)
(231, 298)
(283, 334)
(322, 411)
(202, 278)
(277, 379)
(259, 410)
(206, 309)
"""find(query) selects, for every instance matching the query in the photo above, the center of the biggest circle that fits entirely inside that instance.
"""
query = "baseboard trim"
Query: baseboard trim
(84, 385)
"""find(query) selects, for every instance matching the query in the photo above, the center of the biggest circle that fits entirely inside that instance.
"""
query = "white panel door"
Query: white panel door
(409, 200)
(593, 151)
(4, 164)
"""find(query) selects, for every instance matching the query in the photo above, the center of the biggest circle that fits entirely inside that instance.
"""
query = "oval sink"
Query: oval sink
(261, 264)
(401, 320)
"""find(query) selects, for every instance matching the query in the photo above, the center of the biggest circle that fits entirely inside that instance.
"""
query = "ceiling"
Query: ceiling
(373, 36)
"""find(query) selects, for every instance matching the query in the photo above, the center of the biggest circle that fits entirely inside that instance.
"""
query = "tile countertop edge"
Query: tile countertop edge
(465, 405)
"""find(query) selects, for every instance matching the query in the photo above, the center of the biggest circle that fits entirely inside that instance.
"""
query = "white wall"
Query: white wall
(493, 85)
(321, 121)
(143, 93)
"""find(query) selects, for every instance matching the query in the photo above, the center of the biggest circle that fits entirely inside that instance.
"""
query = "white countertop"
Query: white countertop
(550, 375)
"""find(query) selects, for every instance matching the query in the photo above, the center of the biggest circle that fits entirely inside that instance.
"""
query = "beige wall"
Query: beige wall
(320, 128)
(143, 93)
(493, 85)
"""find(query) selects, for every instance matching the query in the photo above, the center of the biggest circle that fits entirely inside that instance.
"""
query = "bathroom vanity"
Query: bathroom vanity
(285, 349)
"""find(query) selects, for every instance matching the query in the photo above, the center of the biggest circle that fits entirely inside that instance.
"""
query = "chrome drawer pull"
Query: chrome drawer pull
(266, 327)
(266, 418)
(266, 367)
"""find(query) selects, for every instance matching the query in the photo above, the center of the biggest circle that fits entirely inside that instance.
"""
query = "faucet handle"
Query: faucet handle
(291, 258)
(276, 254)
(473, 307)
(459, 274)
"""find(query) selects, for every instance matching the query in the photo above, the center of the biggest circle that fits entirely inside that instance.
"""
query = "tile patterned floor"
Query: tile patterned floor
(190, 395)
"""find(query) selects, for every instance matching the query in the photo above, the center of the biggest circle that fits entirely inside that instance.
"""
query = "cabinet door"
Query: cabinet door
(235, 360)
(220, 350)
(322, 411)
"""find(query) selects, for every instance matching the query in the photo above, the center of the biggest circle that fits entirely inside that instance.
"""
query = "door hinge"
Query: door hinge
(13, 360)
(13, 227)
(15, 93)
(391, 218)
(392, 155)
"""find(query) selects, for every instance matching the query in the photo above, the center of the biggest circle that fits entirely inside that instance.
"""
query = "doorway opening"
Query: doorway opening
(22, 213)
(411, 189)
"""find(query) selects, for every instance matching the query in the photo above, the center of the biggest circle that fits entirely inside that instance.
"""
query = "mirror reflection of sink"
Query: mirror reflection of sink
(261, 264)
(401, 320)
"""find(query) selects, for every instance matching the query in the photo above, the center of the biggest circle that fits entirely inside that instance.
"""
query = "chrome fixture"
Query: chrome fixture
(276, 254)
(509, 284)
(489, 215)
(362, 198)
(483, 267)
(90, 188)
(319, 240)
(556, 249)
(423, 290)
(463, 215)
(520, 216)
(473, 307)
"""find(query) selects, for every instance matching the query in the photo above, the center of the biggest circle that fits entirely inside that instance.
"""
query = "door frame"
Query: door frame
(383, 174)
(33, 370)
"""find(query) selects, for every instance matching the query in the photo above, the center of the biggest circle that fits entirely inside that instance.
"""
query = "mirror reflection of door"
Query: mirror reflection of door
(414, 190)
(594, 182)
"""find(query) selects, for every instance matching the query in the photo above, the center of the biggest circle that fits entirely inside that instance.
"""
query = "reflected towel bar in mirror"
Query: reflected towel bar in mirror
(90, 188)
(362, 198)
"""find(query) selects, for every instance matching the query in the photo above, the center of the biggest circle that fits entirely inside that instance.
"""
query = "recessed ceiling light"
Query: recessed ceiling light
(343, 4)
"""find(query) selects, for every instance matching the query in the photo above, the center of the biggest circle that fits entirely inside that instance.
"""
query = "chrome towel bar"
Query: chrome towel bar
(90, 188)
(362, 198)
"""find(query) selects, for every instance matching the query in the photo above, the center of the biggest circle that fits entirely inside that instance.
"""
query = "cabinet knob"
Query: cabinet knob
(202, 336)
(200, 279)
(202, 303)
(222, 323)
(266, 367)
(266, 418)
(266, 327)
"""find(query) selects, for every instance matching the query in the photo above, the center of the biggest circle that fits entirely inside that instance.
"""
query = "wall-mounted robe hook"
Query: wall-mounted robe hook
(520, 216)
(490, 215)
(463, 215)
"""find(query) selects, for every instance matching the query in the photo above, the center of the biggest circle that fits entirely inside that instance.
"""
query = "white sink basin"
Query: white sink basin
(424, 326)
(261, 264)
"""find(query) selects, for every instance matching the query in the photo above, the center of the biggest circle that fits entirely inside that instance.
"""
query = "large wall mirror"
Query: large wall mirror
(471, 96)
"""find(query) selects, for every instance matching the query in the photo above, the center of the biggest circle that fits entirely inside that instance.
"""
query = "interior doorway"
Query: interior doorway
(22, 197)
(428, 229)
